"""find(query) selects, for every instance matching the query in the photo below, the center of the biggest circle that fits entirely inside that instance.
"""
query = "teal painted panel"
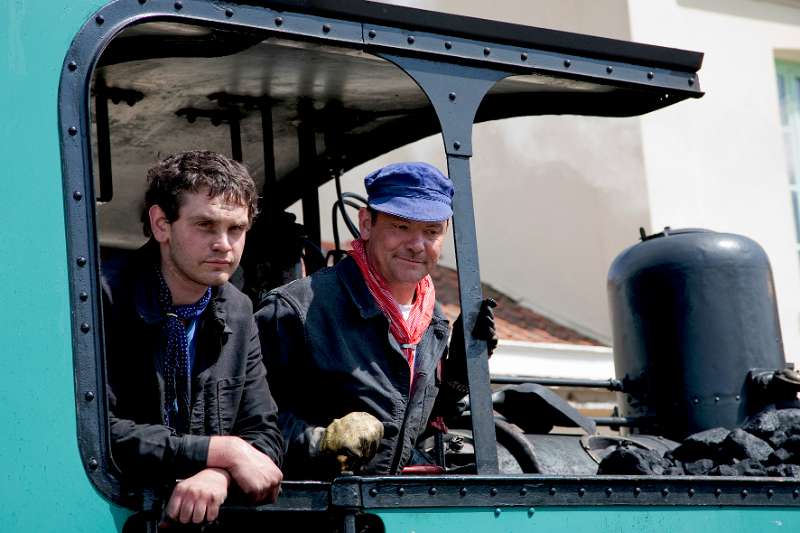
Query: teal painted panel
(43, 487)
(592, 519)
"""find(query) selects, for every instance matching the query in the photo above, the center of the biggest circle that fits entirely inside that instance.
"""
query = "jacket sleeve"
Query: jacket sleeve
(257, 420)
(144, 453)
(282, 335)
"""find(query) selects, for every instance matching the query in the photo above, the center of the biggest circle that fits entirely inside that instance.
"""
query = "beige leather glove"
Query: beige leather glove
(352, 439)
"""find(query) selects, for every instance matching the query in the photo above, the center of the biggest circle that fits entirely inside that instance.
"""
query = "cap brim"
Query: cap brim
(417, 209)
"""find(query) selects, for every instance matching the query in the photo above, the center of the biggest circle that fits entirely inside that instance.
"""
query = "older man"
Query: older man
(355, 352)
(188, 394)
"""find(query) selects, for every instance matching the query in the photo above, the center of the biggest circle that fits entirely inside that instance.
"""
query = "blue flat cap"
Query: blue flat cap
(414, 191)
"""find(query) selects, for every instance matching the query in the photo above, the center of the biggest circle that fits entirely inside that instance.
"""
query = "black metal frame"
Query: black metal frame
(465, 70)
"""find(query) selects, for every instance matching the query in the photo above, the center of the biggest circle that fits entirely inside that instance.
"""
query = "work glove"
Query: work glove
(455, 368)
(353, 440)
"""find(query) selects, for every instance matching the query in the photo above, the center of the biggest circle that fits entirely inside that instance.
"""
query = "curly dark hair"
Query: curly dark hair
(192, 172)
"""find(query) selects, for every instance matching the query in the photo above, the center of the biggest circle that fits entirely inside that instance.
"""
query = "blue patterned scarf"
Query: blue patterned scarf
(176, 365)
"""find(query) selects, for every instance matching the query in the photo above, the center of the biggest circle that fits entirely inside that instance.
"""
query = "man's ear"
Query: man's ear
(364, 222)
(159, 225)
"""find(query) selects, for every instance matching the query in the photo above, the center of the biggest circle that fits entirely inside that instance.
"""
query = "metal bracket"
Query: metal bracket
(456, 91)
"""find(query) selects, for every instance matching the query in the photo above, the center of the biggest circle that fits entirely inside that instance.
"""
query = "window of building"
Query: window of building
(789, 94)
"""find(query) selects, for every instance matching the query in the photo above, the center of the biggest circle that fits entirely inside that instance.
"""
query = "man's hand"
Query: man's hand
(198, 498)
(352, 439)
(254, 472)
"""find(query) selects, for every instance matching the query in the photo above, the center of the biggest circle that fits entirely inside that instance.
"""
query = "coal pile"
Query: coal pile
(767, 444)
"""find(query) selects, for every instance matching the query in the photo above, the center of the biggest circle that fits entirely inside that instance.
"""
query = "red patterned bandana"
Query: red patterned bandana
(409, 332)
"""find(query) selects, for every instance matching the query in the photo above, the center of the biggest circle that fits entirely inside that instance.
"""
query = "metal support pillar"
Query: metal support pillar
(307, 144)
(269, 189)
(456, 91)
(105, 182)
(236, 138)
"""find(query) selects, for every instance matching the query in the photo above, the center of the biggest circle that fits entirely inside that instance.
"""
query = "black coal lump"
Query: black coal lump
(779, 456)
(740, 444)
(702, 445)
(783, 471)
(627, 460)
(722, 470)
(762, 424)
(789, 420)
(750, 467)
(700, 467)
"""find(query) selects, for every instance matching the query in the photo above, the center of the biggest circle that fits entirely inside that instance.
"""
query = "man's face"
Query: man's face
(203, 246)
(404, 251)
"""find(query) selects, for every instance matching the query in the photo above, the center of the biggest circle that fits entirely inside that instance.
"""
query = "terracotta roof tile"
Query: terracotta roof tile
(513, 321)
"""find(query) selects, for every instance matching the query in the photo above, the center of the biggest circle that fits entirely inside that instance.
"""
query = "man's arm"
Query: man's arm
(283, 338)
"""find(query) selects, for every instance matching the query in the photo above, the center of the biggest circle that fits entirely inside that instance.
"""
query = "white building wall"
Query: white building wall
(719, 162)
(557, 198)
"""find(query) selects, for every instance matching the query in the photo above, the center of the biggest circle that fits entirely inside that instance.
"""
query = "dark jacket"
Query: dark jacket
(329, 352)
(229, 391)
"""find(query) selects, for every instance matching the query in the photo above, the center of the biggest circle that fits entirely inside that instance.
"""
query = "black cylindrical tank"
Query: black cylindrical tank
(693, 311)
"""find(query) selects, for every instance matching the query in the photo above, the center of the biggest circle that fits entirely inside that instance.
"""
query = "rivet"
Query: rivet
(531, 511)
(93, 464)
(72, 66)
(410, 39)
(83, 296)
(523, 491)
(462, 491)
(795, 493)
(229, 12)
(716, 398)
(178, 5)
(695, 400)
(279, 21)
(609, 69)
(401, 491)
(77, 196)
(637, 491)
(432, 491)
(690, 492)
(81, 261)
(552, 491)
(326, 28)
(89, 396)
(523, 56)
(650, 75)
(665, 492)
(770, 493)
(142, 2)
(581, 492)
(487, 51)
(99, 19)
(609, 491)
(72, 130)
(372, 34)
(567, 63)
(452, 96)
(497, 511)
(717, 492)
(738, 397)
(691, 82)
(744, 493)
(373, 492)
(493, 492)
(457, 145)
(448, 45)
(85, 327)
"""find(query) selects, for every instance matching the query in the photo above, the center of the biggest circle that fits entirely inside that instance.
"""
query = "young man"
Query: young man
(355, 352)
(188, 394)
